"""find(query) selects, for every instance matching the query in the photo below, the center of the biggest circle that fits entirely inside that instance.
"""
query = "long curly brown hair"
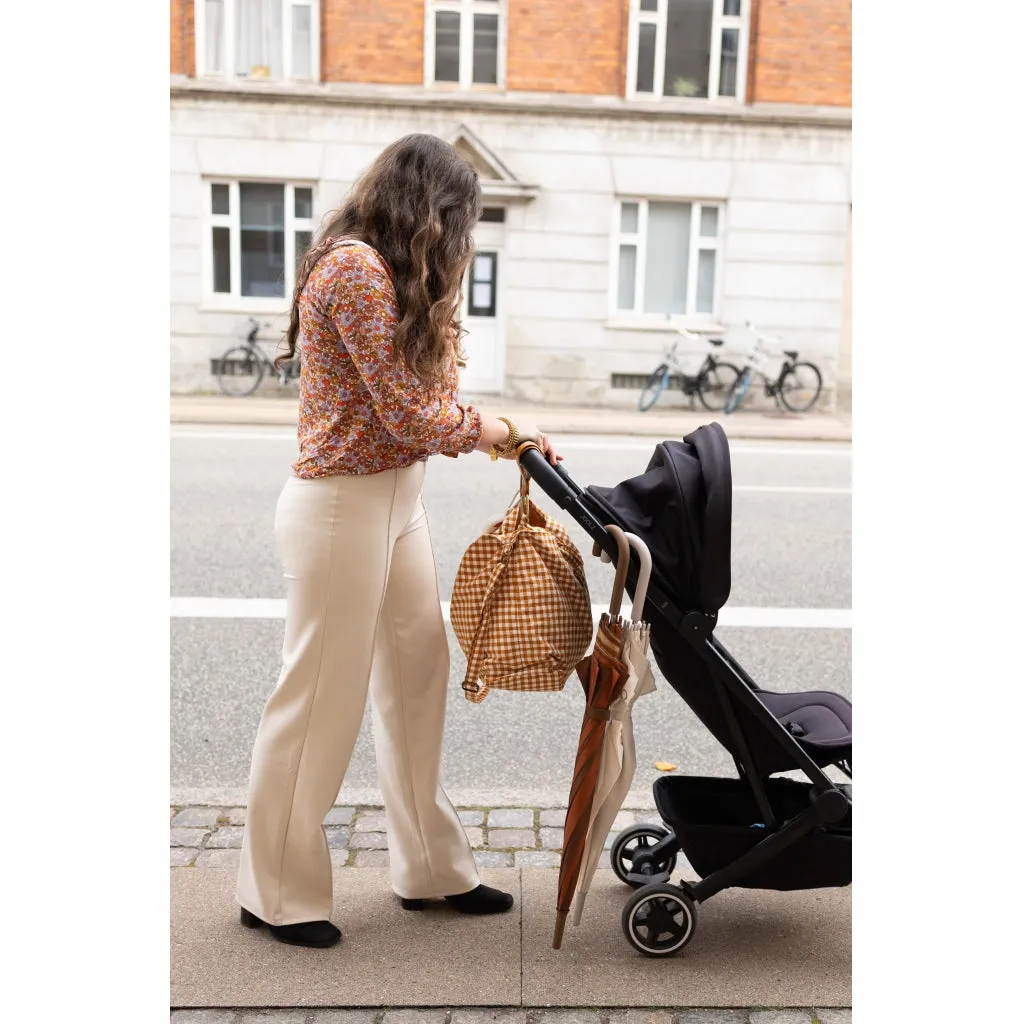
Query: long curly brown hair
(416, 205)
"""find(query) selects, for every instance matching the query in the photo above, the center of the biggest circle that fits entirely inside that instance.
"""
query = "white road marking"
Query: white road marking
(781, 489)
(761, 618)
(566, 443)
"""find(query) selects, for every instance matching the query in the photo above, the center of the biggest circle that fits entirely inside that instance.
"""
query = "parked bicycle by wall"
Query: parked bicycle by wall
(797, 386)
(711, 384)
(242, 369)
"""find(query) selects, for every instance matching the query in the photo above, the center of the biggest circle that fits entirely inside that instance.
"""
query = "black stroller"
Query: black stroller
(756, 831)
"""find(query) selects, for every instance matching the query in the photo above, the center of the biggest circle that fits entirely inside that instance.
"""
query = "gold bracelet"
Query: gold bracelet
(514, 438)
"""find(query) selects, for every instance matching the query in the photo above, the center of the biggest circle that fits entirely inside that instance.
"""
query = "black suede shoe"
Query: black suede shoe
(481, 900)
(314, 934)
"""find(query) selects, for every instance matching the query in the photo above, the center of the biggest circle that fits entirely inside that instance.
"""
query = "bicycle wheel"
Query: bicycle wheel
(737, 391)
(240, 372)
(653, 388)
(714, 385)
(800, 386)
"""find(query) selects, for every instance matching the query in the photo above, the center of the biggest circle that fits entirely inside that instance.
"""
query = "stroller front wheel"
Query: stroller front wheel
(638, 839)
(659, 920)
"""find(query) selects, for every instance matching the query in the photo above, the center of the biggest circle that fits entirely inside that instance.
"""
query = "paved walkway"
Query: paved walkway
(440, 1015)
(204, 837)
(556, 419)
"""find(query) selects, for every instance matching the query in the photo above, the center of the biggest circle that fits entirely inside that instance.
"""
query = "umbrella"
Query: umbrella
(618, 760)
(602, 674)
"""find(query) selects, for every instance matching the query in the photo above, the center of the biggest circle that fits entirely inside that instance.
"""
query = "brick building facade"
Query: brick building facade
(640, 159)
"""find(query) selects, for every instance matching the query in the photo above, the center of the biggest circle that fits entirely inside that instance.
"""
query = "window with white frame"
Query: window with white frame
(688, 48)
(465, 42)
(256, 235)
(275, 39)
(666, 257)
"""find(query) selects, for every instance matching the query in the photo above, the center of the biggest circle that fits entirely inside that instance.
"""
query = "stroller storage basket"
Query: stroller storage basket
(717, 821)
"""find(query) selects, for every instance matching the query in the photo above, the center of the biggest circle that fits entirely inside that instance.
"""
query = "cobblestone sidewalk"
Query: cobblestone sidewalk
(502, 837)
(439, 1015)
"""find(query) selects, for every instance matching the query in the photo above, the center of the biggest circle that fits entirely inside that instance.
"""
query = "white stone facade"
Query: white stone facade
(781, 177)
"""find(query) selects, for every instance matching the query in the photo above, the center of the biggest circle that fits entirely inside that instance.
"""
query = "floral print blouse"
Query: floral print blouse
(361, 410)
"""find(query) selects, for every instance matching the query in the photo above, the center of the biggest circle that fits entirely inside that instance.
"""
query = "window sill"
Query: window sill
(244, 305)
(661, 326)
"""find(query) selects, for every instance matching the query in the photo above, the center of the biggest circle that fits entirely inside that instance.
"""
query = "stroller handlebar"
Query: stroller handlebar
(555, 482)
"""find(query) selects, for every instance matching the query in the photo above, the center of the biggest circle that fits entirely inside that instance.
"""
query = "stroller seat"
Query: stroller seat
(820, 720)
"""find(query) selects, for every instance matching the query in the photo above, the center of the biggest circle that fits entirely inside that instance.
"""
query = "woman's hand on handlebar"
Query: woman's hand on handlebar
(530, 432)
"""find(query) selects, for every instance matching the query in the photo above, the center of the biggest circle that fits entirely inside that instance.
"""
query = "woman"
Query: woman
(375, 316)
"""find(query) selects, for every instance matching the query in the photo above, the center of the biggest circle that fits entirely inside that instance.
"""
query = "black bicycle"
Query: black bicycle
(241, 369)
(711, 384)
(797, 386)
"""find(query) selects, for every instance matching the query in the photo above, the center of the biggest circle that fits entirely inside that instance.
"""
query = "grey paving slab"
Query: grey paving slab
(337, 837)
(415, 1017)
(182, 856)
(371, 822)
(780, 1017)
(511, 839)
(371, 859)
(272, 1017)
(198, 817)
(553, 817)
(505, 1016)
(203, 1017)
(492, 859)
(706, 1016)
(368, 841)
(471, 817)
(835, 1016)
(227, 837)
(640, 1017)
(510, 817)
(215, 962)
(751, 948)
(537, 859)
(188, 836)
(475, 837)
(344, 1016)
(340, 816)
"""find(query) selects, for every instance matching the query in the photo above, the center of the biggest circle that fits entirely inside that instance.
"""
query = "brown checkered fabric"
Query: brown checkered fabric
(520, 605)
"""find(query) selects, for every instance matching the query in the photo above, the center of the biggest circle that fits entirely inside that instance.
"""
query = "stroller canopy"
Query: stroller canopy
(682, 508)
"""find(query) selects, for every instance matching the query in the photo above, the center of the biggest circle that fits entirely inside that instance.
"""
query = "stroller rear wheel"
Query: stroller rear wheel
(638, 839)
(659, 920)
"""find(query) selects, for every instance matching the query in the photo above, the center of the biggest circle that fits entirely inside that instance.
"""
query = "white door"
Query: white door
(483, 320)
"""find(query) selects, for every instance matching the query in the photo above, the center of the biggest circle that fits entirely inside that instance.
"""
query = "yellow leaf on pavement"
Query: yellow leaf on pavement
(665, 766)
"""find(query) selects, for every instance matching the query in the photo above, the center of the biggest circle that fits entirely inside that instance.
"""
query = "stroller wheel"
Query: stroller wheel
(636, 839)
(659, 920)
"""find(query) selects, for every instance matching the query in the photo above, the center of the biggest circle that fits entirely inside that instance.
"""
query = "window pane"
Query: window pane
(730, 62)
(262, 223)
(446, 46)
(482, 285)
(627, 277)
(220, 199)
(303, 203)
(668, 257)
(705, 281)
(302, 240)
(648, 5)
(688, 47)
(645, 58)
(630, 218)
(215, 35)
(485, 49)
(222, 259)
(493, 215)
(731, 8)
(258, 49)
(302, 41)
(709, 221)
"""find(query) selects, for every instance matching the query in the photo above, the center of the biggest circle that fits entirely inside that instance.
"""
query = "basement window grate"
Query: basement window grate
(637, 381)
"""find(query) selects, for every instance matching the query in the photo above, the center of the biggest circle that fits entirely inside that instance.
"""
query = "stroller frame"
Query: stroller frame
(830, 802)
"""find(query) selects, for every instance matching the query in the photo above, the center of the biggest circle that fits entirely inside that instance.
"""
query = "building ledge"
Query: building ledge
(549, 104)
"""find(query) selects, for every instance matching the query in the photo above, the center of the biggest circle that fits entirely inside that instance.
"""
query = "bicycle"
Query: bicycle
(797, 387)
(711, 384)
(241, 369)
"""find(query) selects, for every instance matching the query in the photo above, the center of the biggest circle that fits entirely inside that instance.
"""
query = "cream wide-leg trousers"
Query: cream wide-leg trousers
(363, 614)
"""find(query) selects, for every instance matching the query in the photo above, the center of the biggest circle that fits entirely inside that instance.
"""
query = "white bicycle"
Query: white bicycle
(796, 388)
(711, 384)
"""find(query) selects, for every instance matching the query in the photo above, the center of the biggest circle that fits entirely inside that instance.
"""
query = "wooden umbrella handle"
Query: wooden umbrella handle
(621, 570)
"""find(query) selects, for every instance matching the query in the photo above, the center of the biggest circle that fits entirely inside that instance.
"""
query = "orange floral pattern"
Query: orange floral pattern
(361, 410)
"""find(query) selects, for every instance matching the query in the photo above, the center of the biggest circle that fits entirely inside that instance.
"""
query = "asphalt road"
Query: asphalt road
(791, 550)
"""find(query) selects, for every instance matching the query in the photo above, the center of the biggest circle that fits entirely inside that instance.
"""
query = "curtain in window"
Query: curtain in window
(214, 35)
(258, 43)
(668, 257)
